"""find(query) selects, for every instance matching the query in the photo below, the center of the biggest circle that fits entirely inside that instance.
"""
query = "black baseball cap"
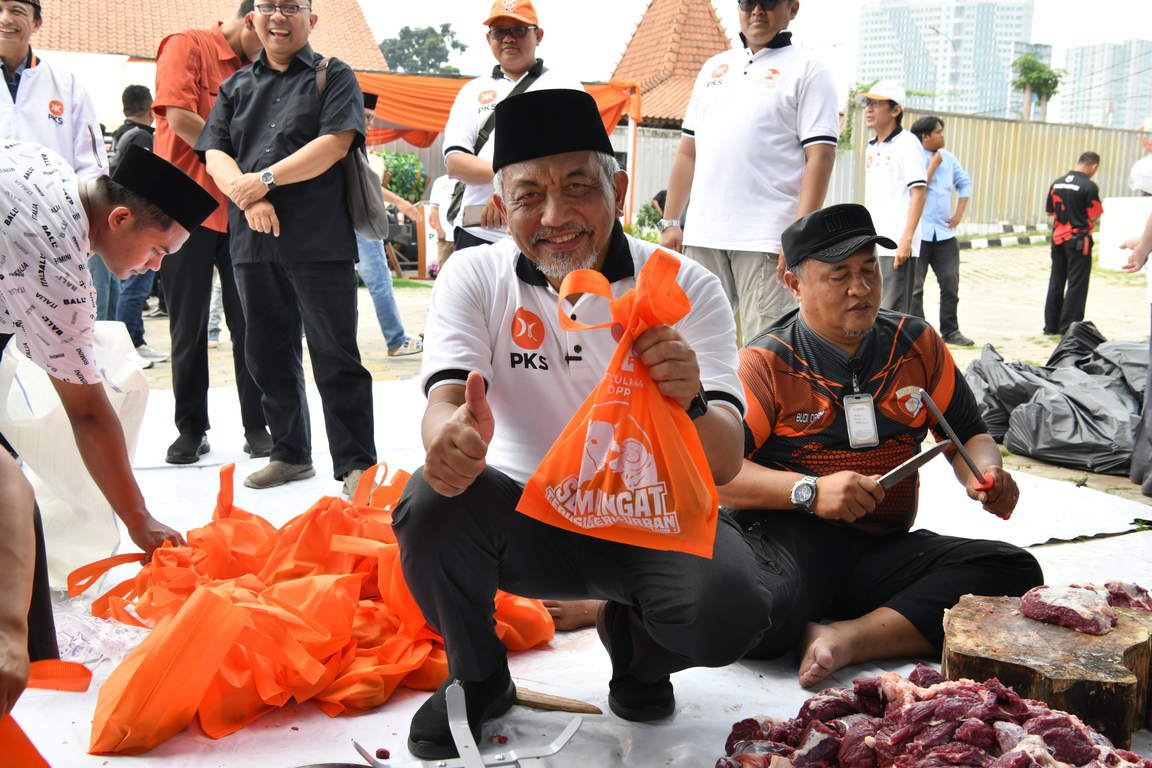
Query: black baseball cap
(831, 234)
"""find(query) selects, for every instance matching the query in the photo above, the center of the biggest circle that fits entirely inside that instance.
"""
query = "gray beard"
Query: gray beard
(560, 269)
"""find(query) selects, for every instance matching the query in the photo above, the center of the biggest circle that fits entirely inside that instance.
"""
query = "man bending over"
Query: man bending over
(834, 544)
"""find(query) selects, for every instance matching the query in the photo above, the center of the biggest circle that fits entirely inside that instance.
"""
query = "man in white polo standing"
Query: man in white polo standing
(895, 189)
(513, 34)
(757, 152)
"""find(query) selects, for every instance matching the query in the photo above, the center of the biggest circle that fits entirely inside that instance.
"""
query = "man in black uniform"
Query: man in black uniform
(274, 146)
(1074, 205)
(833, 403)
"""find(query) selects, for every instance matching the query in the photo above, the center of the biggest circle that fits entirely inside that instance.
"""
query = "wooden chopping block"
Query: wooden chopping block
(1102, 679)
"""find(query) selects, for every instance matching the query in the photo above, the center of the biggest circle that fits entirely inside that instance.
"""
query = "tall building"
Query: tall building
(959, 52)
(1015, 97)
(1108, 84)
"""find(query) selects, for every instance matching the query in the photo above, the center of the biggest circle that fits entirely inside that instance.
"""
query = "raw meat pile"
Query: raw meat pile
(1084, 607)
(923, 722)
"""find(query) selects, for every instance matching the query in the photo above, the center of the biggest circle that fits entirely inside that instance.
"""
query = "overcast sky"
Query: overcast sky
(587, 37)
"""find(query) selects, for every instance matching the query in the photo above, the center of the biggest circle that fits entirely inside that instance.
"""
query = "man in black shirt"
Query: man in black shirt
(274, 146)
(834, 544)
(1074, 205)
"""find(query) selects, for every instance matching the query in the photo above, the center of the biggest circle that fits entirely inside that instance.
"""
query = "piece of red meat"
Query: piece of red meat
(1079, 607)
(955, 753)
(761, 748)
(818, 746)
(787, 732)
(913, 719)
(1126, 595)
(959, 706)
(934, 735)
(925, 676)
(829, 705)
(727, 762)
(977, 733)
(1069, 740)
(1017, 758)
(855, 751)
(748, 730)
(886, 750)
(869, 693)
(1008, 735)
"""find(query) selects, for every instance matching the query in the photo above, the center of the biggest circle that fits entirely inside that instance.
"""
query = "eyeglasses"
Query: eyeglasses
(750, 5)
(516, 32)
(288, 9)
(876, 102)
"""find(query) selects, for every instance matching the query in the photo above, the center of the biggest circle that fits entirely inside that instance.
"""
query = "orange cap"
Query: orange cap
(521, 10)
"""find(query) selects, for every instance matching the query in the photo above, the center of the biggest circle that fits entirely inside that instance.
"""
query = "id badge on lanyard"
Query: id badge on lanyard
(860, 412)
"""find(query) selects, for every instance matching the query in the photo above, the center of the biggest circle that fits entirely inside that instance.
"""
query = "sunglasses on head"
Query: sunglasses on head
(750, 5)
(516, 32)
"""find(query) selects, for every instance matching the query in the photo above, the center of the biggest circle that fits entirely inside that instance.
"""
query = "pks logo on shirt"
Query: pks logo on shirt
(56, 112)
(527, 330)
(720, 71)
(487, 97)
(909, 401)
(769, 79)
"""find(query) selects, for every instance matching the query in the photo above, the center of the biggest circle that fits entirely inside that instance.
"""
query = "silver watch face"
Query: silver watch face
(267, 177)
(803, 494)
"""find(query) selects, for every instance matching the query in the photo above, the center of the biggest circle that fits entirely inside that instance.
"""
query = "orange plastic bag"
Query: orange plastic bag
(17, 750)
(629, 467)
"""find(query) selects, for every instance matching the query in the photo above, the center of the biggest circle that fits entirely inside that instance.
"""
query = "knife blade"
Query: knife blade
(982, 483)
(913, 464)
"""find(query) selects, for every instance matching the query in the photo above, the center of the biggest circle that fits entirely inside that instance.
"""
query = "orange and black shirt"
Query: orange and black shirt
(795, 383)
(1075, 200)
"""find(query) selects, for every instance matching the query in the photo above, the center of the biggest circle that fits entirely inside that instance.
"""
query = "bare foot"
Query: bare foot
(825, 648)
(568, 615)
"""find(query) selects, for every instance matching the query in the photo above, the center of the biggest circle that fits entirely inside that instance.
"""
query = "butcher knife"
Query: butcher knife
(913, 464)
(982, 482)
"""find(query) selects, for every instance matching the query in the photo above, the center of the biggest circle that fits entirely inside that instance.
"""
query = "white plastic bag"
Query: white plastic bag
(79, 525)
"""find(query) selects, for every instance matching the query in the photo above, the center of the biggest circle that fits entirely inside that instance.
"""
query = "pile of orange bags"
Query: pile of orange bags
(249, 617)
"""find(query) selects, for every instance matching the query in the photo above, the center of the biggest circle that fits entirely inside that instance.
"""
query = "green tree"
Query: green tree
(1034, 76)
(422, 50)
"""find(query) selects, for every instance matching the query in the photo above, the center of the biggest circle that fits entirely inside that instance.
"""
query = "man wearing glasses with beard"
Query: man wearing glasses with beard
(513, 34)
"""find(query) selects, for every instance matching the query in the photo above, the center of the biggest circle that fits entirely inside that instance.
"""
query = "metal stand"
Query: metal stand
(470, 756)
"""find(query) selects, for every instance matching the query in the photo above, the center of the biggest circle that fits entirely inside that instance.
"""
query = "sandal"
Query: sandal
(410, 347)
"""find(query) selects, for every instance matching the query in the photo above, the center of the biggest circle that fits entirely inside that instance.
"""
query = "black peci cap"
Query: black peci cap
(831, 234)
(549, 122)
(165, 186)
(370, 100)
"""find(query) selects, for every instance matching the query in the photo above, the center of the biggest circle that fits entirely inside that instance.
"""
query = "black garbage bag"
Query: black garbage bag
(1129, 358)
(978, 376)
(1078, 420)
(1080, 341)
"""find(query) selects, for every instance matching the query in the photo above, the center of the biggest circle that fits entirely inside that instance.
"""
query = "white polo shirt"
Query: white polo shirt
(46, 296)
(441, 197)
(492, 311)
(891, 169)
(752, 115)
(474, 104)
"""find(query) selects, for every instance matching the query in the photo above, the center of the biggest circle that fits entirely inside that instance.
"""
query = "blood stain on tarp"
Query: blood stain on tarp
(383, 754)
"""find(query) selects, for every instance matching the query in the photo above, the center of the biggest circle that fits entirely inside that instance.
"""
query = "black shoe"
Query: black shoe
(257, 443)
(958, 339)
(429, 737)
(187, 449)
(629, 697)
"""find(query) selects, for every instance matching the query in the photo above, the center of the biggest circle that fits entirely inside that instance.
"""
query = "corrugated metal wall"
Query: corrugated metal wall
(1012, 163)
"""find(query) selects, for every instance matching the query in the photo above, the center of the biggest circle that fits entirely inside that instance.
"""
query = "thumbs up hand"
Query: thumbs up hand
(456, 456)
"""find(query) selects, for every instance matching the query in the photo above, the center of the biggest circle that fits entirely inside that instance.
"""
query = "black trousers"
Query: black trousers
(686, 611)
(1071, 267)
(281, 300)
(41, 625)
(187, 278)
(464, 239)
(943, 257)
(816, 570)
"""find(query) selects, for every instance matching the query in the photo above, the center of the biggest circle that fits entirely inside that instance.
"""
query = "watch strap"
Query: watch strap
(699, 405)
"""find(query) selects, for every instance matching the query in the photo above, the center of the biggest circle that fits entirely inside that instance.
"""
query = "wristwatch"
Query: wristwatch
(699, 405)
(804, 494)
(663, 224)
(268, 179)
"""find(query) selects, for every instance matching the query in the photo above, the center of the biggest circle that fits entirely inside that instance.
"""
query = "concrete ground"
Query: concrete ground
(1002, 292)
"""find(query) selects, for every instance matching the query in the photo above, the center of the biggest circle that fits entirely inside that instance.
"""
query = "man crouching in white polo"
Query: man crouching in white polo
(503, 380)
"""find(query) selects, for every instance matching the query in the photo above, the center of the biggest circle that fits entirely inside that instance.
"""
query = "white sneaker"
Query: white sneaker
(148, 353)
(145, 363)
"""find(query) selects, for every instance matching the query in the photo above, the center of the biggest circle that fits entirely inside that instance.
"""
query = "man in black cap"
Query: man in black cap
(503, 380)
(274, 145)
(834, 404)
(53, 221)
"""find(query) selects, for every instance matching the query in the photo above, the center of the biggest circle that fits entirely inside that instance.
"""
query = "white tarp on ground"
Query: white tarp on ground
(573, 665)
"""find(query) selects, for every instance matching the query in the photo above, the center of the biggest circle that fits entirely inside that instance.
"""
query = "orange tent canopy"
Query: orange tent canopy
(415, 107)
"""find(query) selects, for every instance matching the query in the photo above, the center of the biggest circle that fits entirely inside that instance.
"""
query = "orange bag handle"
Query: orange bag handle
(657, 295)
(224, 497)
(56, 675)
(81, 579)
(16, 747)
(583, 281)
(364, 487)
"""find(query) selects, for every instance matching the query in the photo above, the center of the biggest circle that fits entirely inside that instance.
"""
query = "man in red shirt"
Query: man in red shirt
(190, 66)
(1074, 205)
